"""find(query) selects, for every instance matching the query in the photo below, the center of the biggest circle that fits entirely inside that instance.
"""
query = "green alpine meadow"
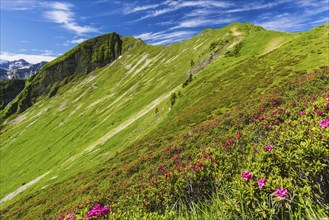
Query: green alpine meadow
(232, 123)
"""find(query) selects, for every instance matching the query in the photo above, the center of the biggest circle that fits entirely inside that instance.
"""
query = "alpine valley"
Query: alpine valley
(232, 123)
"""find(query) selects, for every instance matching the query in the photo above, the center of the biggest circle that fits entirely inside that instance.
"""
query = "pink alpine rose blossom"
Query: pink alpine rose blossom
(268, 148)
(324, 123)
(246, 175)
(261, 182)
(281, 193)
(318, 112)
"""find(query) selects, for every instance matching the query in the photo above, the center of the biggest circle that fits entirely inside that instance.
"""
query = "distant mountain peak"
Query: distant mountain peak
(18, 69)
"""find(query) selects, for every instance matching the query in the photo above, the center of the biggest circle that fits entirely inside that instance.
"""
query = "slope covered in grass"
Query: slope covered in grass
(106, 131)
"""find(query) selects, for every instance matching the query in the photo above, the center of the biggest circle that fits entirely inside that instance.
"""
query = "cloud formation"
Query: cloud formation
(31, 58)
(61, 13)
(164, 37)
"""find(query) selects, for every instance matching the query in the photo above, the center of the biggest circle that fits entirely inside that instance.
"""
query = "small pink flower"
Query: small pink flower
(246, 175)
(106, 209)
(261, 182)
(324, 123)
(318, 112)
(254, 148)
(301, 113)
(281, 193)
(268, 148)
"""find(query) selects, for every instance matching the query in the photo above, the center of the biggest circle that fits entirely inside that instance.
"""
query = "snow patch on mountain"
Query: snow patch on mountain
(18, 69)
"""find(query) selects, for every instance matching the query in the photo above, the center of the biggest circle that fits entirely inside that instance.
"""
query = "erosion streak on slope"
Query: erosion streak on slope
(148, 63)
(128, 122)
(22, 188)
(137, 64)
(274, 44)
(122, 126)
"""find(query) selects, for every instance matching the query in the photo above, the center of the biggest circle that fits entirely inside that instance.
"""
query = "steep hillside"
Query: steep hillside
(77, 62)
(106, 131)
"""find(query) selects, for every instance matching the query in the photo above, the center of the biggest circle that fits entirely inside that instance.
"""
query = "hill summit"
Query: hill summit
(230, 124)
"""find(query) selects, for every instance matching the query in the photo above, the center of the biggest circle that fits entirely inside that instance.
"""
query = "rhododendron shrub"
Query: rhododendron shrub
(266, 161)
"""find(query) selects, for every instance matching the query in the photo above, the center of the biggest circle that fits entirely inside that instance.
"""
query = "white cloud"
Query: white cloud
(201, 12)
(57, 12)
(61, 17)
(41, 52)
(18, 5)
(200, 3)
(321, 21)
(61, 13)
(77, 41)
(284, 22)
(171, 6)
(60, 6)
(297, 20)
(31, 58)
(197, 22)
(162, 37)
(129, 9)
(256, 6)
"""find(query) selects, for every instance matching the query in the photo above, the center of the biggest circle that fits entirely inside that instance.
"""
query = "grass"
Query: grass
(85, 111)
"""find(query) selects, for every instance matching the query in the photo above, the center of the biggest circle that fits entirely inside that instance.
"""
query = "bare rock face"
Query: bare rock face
(9, 89)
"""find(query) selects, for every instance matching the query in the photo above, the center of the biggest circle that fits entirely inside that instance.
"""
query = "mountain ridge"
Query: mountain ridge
(98, 129)
(82, 59)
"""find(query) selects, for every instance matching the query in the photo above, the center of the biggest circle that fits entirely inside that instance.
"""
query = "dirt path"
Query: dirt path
(22, 188)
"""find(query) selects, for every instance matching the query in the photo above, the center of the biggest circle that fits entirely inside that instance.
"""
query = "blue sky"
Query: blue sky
(42, 30)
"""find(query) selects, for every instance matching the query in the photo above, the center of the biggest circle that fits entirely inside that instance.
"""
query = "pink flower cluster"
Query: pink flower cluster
(268, 148)
(318, 112)
(246, 175)
(324, 123)
(261, 182)
(281, 193)
(98, 211)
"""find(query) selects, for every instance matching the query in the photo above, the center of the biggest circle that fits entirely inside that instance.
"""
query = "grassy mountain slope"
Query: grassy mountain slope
(76, 137)
(77, 62)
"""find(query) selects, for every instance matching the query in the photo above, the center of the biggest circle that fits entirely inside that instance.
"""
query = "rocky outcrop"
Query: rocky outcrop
(9, 89)
(79, 61)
